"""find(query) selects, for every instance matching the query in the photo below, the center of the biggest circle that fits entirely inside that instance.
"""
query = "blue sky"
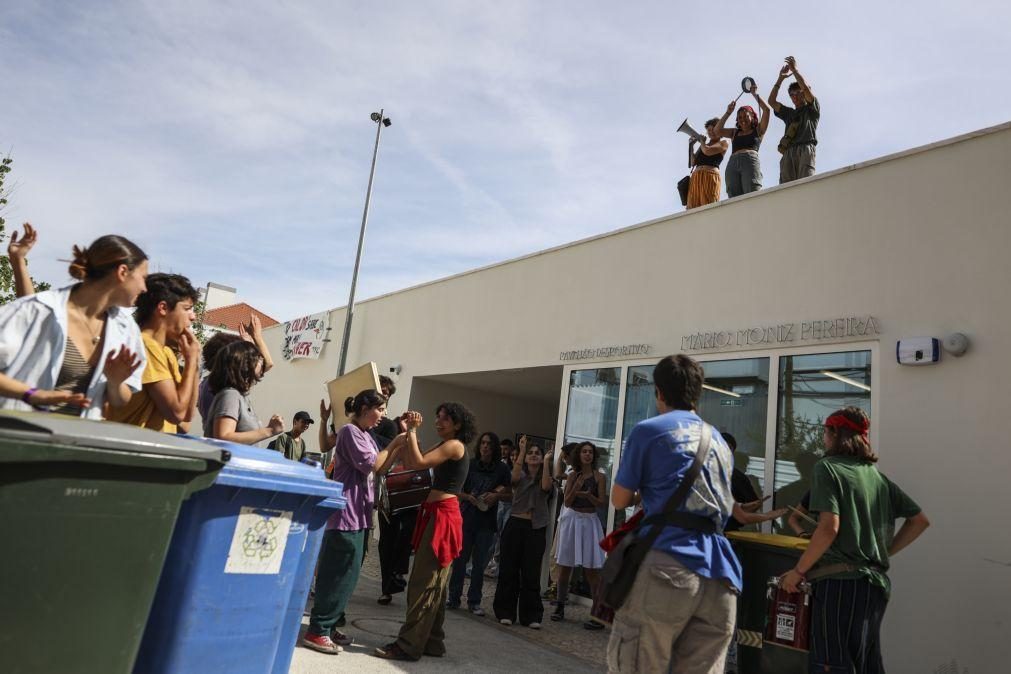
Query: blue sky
(232, 140)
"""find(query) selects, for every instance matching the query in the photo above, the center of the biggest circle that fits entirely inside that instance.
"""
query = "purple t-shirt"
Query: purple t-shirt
(354, 456)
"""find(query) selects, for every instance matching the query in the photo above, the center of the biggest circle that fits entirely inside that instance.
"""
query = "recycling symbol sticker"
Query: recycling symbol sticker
(259, 541)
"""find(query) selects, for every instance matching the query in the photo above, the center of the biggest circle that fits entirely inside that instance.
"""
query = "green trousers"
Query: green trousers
(340, 563)
(422, 632)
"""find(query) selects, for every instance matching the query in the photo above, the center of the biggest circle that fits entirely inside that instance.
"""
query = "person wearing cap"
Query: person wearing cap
(744, 170)
(290, 443)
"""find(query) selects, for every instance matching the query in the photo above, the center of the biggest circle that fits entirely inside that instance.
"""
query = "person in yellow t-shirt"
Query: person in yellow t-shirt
(169, 396)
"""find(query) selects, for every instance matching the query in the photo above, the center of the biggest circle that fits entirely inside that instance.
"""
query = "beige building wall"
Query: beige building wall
(918, 240)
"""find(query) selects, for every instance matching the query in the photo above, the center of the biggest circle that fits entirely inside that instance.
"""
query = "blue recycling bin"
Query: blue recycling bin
(240, 554)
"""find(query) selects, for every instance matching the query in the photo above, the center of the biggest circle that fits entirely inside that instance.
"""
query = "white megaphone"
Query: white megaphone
(687, 129)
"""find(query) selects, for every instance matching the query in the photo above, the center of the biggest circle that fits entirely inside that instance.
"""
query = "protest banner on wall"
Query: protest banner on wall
(304, 337)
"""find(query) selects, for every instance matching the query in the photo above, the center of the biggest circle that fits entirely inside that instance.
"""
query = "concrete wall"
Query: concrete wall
(919, 240)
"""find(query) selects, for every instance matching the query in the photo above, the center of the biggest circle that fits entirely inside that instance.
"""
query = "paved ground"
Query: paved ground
(474, 644)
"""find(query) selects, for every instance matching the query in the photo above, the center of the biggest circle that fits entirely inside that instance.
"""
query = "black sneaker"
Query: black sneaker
(593, 625)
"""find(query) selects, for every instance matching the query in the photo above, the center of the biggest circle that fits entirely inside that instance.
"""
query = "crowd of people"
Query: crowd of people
(118, 345)
(744, 170)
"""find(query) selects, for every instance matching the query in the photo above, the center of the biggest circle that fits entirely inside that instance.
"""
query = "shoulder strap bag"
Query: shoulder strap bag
(623, 562)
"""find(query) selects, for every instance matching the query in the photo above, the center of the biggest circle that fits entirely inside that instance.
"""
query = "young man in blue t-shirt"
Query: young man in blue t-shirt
(682, 607)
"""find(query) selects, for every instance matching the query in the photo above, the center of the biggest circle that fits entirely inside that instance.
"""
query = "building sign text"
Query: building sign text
(605, 352)
(783, 334)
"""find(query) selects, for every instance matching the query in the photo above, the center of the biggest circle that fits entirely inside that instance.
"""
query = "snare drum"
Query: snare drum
(403, 489)
(788, 616)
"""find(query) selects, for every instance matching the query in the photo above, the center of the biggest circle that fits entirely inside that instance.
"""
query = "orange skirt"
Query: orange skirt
(704, 188)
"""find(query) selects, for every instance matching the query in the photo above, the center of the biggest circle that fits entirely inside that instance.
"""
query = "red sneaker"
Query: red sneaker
(321, 643)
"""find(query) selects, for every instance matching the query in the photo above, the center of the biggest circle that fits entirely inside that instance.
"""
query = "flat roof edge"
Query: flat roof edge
(1005, 126)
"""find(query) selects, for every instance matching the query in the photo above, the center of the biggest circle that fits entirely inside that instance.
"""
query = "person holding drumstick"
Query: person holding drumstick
(848, 557)
(356, 458)
(744, 170)
(438, 535)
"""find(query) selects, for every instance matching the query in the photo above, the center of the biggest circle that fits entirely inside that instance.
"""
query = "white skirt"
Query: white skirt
(578, 540)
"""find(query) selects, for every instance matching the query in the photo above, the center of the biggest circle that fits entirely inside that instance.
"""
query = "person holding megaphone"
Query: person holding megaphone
(704, 186)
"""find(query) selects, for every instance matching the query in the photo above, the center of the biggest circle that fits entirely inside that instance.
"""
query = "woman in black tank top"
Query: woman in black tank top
(744, 171)
(704, 184)
(438, 535)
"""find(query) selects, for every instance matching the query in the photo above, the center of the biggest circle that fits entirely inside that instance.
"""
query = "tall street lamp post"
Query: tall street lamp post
(380, 122)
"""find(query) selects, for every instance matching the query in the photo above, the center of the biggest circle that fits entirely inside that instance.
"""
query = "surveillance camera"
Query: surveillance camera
(396, 369)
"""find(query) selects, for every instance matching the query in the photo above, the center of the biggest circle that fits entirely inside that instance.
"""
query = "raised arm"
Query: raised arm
(784, 72)
(517, 472)
(389, 455)
(721, 127)
(804, 88)
(324, 427)
(17, 252)
(415, 460)
(763, 122)
(546, 480)
(253, 332)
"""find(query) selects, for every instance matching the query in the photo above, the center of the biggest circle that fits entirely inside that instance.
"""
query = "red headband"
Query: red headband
(838, 420)
(751, 110)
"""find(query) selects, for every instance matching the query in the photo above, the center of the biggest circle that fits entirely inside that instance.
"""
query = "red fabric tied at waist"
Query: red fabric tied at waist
(447, 534)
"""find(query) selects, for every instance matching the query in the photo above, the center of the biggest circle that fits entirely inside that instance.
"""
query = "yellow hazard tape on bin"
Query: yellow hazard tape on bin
(749, 638)
(778, 540)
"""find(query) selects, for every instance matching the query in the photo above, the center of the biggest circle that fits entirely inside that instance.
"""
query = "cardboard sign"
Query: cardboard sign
(350, 385)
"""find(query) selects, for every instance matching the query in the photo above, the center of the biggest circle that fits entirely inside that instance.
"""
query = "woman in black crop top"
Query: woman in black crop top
(704, 186)
(744, 171)
(579, 529)
(438, 535)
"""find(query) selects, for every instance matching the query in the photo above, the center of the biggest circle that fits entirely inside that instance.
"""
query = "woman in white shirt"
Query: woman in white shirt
(74, 349)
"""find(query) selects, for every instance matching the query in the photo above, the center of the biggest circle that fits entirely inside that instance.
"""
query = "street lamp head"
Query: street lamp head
(374, 116)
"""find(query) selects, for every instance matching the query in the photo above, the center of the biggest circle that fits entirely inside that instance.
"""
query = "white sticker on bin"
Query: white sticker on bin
(258, 542)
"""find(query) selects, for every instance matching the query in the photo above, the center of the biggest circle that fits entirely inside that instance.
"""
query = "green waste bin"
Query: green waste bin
(87, 510)
(763, 556)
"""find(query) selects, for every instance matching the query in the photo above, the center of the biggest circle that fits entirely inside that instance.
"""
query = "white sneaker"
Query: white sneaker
(505, 621)
(534, 626)
(477, 610)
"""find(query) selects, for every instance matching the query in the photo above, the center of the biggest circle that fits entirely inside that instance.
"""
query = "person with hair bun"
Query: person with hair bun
(73, 350)
(438, 534)
(356, 459)
(848, 557)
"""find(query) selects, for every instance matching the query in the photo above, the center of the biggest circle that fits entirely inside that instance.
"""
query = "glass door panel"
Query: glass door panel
(810, 388)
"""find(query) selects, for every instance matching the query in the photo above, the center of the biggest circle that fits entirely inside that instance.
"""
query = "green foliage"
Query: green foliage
(7, 293)
(199, 331)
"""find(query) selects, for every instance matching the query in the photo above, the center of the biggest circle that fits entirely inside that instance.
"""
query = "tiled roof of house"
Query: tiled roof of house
(233, 315)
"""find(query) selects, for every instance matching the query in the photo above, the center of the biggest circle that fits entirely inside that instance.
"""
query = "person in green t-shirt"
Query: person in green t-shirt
(847, 559)
(291, 444)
